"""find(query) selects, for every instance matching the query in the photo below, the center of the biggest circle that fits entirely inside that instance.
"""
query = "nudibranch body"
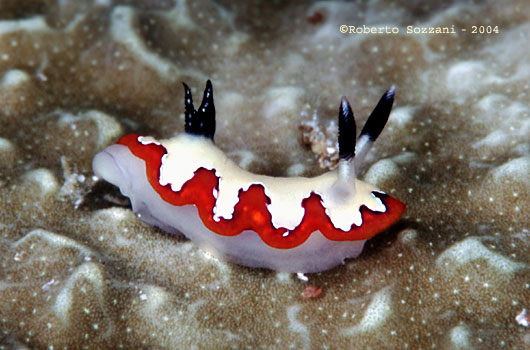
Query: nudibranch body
(187, 185)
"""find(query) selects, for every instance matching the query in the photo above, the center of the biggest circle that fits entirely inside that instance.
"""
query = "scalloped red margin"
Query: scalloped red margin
(251, 213)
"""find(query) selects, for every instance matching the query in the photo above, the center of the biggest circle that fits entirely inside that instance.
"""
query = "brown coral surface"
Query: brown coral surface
(79, 270)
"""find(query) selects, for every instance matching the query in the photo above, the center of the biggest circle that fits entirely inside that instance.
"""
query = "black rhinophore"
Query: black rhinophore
(377, 120)
(347, 130)
(371, 130)
(202, 121)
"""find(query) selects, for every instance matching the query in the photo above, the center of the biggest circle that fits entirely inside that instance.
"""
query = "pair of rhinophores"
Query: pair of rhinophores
(186, 185)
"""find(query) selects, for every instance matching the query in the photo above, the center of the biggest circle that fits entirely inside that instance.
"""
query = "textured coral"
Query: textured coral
(79, 270)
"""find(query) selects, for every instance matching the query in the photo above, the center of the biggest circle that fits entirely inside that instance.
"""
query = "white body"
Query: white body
(117, 165)
(342, 194)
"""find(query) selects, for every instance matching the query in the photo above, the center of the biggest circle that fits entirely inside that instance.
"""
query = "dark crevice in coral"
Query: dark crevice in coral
(16, 9)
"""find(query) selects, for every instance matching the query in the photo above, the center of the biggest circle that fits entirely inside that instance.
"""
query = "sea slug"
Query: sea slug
(294, 224)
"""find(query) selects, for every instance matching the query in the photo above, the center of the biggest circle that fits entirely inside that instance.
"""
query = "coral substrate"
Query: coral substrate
(79, 270)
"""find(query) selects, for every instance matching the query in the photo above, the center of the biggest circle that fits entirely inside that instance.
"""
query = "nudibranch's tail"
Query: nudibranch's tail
(374, 125)
(201, 122)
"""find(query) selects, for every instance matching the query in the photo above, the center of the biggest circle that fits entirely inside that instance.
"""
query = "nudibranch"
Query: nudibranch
(293, 224)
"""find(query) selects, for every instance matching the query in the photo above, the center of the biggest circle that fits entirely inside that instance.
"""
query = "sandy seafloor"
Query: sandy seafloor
(79, 270)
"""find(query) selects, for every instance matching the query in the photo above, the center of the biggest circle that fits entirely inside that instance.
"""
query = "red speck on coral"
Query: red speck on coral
(311, 292)
(315, 18)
